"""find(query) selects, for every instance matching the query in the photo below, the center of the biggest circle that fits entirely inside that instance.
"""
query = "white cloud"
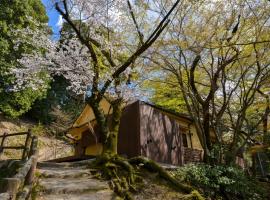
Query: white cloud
(60, 22)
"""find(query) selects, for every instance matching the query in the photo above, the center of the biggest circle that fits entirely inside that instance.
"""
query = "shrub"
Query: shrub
(39, 129)
(220, 182)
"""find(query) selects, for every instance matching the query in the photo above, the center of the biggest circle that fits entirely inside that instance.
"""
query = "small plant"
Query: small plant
(195, 195)
(220, 182)
(35, 191)
(39, 129)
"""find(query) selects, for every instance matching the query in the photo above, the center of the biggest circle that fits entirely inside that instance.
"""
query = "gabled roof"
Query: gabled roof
(87, 115)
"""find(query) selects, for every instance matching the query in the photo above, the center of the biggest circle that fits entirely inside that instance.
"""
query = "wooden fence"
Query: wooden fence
(26, 147)
(19, 186)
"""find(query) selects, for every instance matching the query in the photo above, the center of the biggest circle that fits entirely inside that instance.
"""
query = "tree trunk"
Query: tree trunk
(206, 126)
(266, 139)
(110, 146)
(206, 132)
(102, 123)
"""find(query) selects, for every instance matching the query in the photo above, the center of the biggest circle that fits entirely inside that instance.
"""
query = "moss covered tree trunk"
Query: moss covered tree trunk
(100, 119)
(108, 126)
(110, 146)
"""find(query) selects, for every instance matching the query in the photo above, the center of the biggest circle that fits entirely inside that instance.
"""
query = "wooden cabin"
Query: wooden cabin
(146, 130)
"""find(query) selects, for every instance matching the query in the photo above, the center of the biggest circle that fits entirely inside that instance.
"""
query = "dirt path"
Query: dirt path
(51, 148)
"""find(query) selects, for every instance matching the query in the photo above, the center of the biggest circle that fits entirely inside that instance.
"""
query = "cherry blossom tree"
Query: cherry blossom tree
(99, 56)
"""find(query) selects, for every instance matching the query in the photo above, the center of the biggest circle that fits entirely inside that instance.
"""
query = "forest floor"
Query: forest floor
(155, 188)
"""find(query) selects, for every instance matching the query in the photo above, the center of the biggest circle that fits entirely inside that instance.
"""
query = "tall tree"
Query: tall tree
(14, 15)
(218, 67)
(101, 57)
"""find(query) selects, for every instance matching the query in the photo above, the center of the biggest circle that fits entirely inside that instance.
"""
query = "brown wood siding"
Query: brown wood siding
(129, 131)
(160, 137)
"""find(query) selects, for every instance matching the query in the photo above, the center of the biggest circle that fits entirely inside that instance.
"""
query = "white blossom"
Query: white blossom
(108, 22)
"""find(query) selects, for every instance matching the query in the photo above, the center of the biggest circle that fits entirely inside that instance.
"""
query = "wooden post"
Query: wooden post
(27, 143)
(2, 143)
(31, 173)
(34, 146)
(34, 155)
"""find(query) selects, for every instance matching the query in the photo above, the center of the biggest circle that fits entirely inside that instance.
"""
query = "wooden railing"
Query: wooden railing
(19, 186)
(26, 147)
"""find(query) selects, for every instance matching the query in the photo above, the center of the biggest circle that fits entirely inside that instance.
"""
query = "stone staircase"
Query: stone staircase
(70, 181)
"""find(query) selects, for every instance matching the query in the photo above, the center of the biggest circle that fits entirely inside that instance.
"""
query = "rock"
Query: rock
(4, 196)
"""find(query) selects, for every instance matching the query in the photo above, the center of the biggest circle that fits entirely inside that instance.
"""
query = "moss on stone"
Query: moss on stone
(195, 195)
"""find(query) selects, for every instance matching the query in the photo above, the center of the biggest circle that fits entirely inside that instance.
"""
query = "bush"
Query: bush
(39, 129)
(220, 182)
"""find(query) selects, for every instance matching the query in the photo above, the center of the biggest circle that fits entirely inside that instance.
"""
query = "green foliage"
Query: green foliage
(166, 93)
(15, 104)
(14, 15)
(57, 97)
(195, 195)
(36, 189)
(220, 182)
(38, 129)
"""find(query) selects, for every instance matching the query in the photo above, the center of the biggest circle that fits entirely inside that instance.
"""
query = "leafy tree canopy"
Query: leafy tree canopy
(165, 92)
(14, 15)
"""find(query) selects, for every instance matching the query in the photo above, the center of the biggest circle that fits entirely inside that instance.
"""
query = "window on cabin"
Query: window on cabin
(185, 143)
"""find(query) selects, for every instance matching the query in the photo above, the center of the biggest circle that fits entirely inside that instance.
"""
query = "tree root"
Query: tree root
(123, 175)
(153, 166)
(119, 171)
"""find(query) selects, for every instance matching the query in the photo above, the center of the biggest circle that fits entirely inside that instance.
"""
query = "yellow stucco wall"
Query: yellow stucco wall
(87, 115)
(195, 138)
(94, 150)
(76, 133)
(196, 144)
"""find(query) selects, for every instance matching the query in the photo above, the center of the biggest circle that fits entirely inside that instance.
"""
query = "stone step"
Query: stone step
(5, 196)
(81, 164)
(60, 166)
(64, 173)
(98, 195)
(71, 185)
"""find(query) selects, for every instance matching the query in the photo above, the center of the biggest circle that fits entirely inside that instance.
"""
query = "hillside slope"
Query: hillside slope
(50, 146)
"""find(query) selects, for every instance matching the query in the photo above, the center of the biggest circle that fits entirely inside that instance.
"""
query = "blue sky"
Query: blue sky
(53, 16)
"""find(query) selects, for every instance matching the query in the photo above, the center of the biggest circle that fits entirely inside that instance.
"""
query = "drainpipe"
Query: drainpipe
(189, 133)
(260, 163)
